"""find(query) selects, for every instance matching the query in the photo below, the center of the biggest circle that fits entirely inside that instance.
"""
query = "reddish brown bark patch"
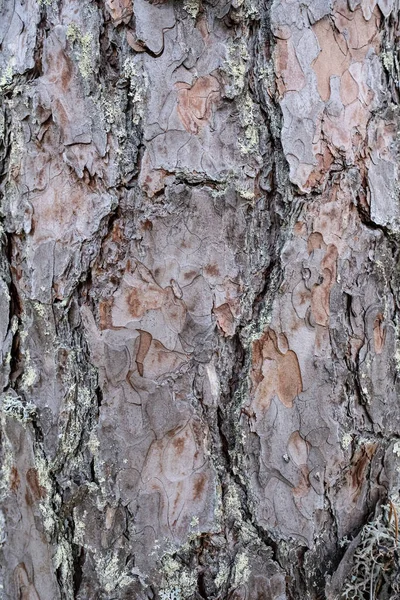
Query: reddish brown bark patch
(225, 319)
(379, 333)
(120, 10)
(320, 294)
(291, 77)
(199, 486)
(274, 372)
(38, 491)
(14, 479)
(343, 42)
(195, 103)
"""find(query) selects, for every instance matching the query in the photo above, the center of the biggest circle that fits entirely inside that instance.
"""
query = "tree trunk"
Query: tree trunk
(199, 299)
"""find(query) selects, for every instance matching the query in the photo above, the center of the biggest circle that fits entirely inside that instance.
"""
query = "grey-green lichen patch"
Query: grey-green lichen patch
(13, 406)
(346, 441)
(223, 575)
(84, 43)
(250, 140)
(6, 462)
(30, 375)
(375, 562)
(138, 84)
(6, 77)
(235, 67)
(79, 527)
(179, 582)
(77, 403)
(55, 528)
(112, 575)
(64, 563)
(192, 7)
(242, 569)
(390, 61)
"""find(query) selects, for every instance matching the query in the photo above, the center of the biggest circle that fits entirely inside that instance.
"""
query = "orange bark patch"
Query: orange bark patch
(120, 10)
(315, 242)
(348, 88)
(342, 43)
(225, 319)
(320, 294)
(179, 445)
(195, 103)
(274, 372)
(145, 340)
(159, 360)
(291, 77)
(105, 313)
(298, 449)
(140, 300)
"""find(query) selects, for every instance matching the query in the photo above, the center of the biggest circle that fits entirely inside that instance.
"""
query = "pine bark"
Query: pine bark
(199, 299)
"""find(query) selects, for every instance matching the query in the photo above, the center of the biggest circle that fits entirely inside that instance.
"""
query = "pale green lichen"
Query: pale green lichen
(172, 594)
(79, 528)
(6, 77)
(250, 142)
(84, 43)
(42, 312)
(50, 505)
(246, 194)
(180, 584)
(110, 574)
(6, 463)
(233, 505)
(138, 84)
(346, 441)
(241, 569)
(223, 575)
(396, 449)
(14, 325)
(236, 66)
(375, 562)
(77, 404)
(192, 7)
(194, 523)
(93, 443)
(388, 61)
(29, 376)
(63, 560)
(12, 406)
(110, 110)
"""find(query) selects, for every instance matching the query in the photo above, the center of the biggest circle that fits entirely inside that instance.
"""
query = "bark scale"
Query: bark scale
(199, 299)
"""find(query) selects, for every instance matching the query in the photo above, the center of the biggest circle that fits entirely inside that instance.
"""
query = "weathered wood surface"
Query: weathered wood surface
(199, 296)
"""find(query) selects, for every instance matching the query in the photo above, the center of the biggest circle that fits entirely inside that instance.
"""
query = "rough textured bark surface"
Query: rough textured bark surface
(199, 299)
